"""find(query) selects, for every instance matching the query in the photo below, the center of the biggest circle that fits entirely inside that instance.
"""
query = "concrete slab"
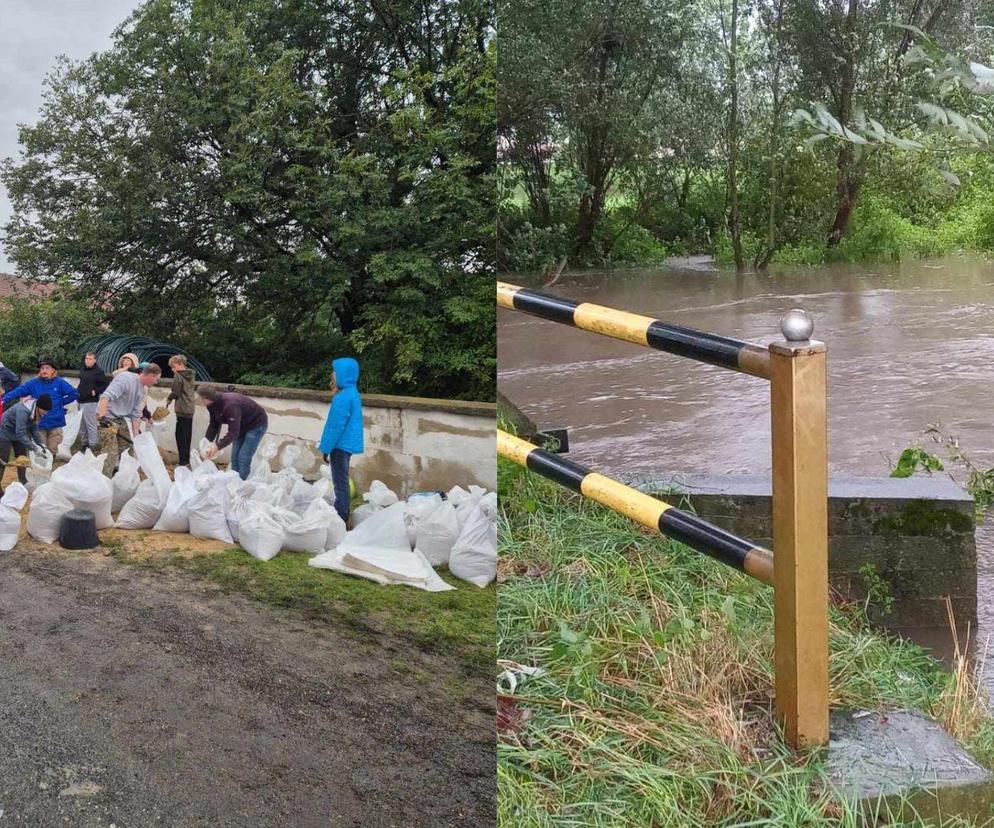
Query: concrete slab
(893, 762)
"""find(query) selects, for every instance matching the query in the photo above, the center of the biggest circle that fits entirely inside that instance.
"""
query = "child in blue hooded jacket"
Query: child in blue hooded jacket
(342, 435)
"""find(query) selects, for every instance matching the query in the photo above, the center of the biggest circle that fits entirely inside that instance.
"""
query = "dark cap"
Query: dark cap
(47, 361)
(44, 402)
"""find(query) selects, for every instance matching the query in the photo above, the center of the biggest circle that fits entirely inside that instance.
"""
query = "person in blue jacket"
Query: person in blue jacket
(342, 435)
(62, 394)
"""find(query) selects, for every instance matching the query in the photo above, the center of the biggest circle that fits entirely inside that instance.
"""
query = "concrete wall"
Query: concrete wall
(917, 533)
(412, 443)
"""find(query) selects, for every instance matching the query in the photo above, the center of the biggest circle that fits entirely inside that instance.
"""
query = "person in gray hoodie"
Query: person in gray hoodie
(19, 432)
(182, 394)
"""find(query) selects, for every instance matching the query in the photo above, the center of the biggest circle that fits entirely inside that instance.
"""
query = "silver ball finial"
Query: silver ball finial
(797, 325)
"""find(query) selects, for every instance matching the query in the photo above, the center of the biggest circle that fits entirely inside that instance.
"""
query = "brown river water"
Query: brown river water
(909, 346)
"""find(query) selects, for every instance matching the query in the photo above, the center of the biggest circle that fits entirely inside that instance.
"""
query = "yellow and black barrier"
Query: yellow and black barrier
(642, 508)
(641, 330)
(798, 571)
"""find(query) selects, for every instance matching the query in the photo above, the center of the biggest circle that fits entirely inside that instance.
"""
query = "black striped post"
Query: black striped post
(642, 330)
(642, 508)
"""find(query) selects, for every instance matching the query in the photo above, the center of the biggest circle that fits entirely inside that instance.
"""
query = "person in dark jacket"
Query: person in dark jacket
(342, 436)
(8, 379)
(247, 422)
(19, 432)
(92, 383)
(182, 394)
(61, 393)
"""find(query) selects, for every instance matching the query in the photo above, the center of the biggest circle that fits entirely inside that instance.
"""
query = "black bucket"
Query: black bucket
(78, 530)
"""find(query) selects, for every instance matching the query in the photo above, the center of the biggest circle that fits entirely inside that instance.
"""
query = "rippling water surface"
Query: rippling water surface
(909, 346)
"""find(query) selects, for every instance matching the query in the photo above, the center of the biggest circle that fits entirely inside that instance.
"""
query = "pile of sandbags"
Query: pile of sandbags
(392, 542)
(401, 542)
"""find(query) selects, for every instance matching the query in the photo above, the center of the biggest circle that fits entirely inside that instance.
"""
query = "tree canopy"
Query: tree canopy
(273, 183)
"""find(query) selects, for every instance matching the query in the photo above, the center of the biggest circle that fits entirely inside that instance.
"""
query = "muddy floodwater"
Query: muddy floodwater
(909, 346)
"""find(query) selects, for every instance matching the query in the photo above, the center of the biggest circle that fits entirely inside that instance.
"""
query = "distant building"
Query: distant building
(16, 286)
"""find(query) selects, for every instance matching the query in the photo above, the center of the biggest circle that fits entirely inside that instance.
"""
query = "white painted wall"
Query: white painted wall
(412, 444)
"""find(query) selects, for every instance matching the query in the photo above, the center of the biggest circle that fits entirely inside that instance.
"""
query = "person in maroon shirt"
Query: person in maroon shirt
(246, 420)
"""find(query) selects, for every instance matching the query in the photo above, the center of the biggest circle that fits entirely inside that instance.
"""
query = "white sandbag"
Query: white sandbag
(464, 502)
(289, 456)
(223, 456)
(10, 528)
(48, 505)
(379, 496)
(125, 482)
(325, 489)
(260, 534)
(437, 534)
(40, 471)
(335, 529)
(144, 509)
(82, 482)
(419, 506)
(302, 495)
(147, 454)
(175, 515)
(14, 497)
(207, 514)
(474, 554)
(11, 503)
(304, 534)
(362, 513)
(69, 434)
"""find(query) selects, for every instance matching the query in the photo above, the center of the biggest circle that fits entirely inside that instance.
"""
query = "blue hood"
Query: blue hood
(346, 372)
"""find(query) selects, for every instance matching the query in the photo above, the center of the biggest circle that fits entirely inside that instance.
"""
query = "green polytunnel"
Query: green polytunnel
(109, 349)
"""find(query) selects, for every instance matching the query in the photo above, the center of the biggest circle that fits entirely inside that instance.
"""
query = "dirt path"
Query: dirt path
(136, 699)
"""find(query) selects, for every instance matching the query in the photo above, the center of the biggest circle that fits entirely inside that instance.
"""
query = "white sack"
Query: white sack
(147, 454)
(464, 501)
(175, 515)
(361, 514)
(144, 509)
(40, 471)
(48, 505)
(289, 456)
(418, 508)
(207, 513)
(11, 503)
(304, 534)
(223, 456)
(125, 481)
(69, 433)
(82, 482)
(474, 554)
(335, 530)
(437, 533)
(10, 528)
(14, 497)
(260, 534)
(379, 496)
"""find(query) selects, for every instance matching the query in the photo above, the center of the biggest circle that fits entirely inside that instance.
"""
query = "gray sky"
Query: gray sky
(32, 34)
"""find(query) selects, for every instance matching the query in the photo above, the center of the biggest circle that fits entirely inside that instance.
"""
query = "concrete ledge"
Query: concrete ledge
(899, 762)
(467, 407)
(916, 533)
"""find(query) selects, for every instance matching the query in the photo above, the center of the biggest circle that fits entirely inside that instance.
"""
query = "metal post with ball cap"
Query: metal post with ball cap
(800, 530)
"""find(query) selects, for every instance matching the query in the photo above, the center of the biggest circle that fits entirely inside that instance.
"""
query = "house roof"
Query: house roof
(15, 286)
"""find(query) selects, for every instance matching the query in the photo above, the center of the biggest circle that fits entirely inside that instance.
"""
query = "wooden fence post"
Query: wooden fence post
(800, 531)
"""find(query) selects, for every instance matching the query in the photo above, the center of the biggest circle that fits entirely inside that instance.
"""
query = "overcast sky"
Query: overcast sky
(32, 34)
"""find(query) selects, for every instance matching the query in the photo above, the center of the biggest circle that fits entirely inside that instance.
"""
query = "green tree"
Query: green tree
(275, 182)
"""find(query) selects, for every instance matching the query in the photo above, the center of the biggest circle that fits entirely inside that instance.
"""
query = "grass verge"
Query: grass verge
(654, 707)
(457, 624)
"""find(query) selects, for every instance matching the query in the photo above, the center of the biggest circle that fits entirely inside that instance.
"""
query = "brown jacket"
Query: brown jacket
(182, 392)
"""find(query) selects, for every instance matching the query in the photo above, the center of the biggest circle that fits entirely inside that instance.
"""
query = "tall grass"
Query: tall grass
(654, 707)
